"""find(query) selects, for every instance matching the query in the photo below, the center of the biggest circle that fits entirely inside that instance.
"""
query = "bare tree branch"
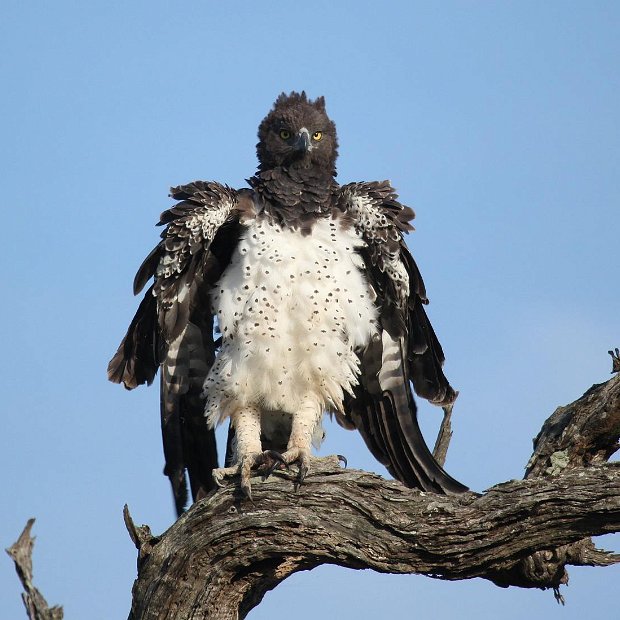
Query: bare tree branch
(219, 559)
(440, 451)
(580, 434)
(225, 553)
(21, 553)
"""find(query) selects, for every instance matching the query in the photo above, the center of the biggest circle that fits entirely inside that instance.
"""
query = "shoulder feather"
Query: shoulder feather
(381, 220)
(200, 233)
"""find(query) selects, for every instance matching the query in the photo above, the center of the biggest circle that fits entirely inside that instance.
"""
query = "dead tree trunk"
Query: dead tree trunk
(219, 559)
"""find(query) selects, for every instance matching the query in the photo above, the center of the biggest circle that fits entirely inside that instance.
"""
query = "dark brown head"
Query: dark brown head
(297, 133)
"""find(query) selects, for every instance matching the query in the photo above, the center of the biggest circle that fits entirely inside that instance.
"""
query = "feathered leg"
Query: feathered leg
(249, 453)
(304, 423)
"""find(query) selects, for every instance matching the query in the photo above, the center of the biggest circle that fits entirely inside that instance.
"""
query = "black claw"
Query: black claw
(303, 472)
(342, 459)
(276, 456)
(277, 459)
(246, 489)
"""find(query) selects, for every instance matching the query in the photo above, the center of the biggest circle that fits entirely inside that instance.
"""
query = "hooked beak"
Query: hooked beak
(303, 142)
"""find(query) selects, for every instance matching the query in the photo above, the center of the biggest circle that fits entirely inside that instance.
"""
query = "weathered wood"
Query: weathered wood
(226, 552)
(21, 553)
(580, 434)
(219, 559)
(442, 443)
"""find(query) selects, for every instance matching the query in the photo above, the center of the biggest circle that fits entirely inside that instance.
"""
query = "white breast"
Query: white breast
(292, 310)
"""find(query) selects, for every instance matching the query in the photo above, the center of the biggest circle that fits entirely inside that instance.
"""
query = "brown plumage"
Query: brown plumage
(207, 233)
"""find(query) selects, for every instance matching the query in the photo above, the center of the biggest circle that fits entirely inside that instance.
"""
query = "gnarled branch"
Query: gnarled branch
(21, 553)
(219, 559)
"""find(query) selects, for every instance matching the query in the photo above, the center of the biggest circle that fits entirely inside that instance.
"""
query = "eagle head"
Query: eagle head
(297, 133)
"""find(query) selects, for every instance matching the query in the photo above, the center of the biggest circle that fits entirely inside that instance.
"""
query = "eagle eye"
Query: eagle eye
(285, 134)
(317, 135)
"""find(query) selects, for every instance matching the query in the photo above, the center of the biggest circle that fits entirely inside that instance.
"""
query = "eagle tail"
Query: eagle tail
(188, 444)
(172, 438)
(188, 441)
(384, 411)
(418, 466)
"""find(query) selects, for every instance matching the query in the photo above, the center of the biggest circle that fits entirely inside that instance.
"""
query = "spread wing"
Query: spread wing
(406, 351)
(173, 327)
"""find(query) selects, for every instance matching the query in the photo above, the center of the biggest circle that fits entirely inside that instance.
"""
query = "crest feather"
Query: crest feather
(292, 98)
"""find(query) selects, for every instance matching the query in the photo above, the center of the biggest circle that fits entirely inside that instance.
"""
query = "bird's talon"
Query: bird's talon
(343, 460)
(276, 456)
(277, 462)
(303, 472)
(246, 489)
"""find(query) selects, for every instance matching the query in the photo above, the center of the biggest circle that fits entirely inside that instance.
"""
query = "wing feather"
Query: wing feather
(173, 327)
(405, 352)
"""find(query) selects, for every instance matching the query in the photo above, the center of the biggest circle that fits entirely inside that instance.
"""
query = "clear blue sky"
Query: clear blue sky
(496, 121)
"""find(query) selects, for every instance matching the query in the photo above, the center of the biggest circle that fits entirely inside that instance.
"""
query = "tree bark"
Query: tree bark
(35, 603)
(219, 559)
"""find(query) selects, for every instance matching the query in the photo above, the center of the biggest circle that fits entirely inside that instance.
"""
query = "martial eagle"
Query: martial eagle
(275, 304)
